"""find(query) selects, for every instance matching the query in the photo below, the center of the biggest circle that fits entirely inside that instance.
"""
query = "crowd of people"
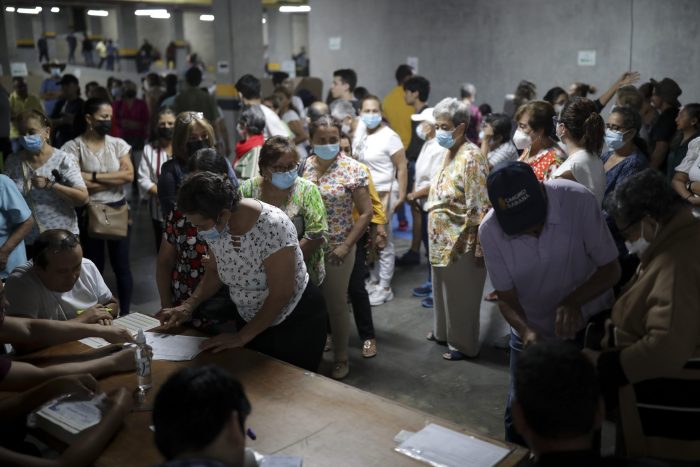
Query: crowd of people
(584, 225)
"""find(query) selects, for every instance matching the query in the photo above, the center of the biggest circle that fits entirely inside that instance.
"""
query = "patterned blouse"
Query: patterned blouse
(544, 163)
(305, 208)
(188, 269)
(337, 185)
(457, 203)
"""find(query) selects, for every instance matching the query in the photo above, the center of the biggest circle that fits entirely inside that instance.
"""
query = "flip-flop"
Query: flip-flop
(431, 337)
(454, 355)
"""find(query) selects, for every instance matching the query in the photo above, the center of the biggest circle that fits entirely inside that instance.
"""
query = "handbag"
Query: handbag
(107, 221)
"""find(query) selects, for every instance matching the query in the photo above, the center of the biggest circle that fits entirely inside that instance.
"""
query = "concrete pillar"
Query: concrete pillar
(94, 24)
(25, 40)
(128, 38)
(279, 36)
(49, 30)
(4, 45)
(181, 50)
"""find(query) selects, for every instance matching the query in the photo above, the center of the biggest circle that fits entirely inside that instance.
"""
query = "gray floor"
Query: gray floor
(408, 369)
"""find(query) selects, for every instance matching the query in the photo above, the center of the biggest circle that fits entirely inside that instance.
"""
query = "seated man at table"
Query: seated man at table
(59, 283)
(199, 417)
(550, 256)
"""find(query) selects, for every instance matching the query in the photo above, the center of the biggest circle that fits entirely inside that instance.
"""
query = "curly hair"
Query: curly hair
(646, 193)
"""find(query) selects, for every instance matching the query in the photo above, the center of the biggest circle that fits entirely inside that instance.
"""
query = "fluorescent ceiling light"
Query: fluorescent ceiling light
(10, 9)
(159, 11)
(55, 9)
(295, 9)
(264, 20)
(29, 11)
(164, 15)
(98, 13)
(206, 17)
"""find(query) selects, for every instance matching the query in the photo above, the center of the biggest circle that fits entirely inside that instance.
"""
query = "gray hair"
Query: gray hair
(341, 109)
(454, 109)
(253, 118)
(468, 90)
(646, 193)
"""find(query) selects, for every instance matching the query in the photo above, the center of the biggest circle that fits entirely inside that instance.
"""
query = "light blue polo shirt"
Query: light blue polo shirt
(13, 212)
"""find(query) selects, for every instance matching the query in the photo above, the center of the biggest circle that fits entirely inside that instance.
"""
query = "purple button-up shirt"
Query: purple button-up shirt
(544, 270)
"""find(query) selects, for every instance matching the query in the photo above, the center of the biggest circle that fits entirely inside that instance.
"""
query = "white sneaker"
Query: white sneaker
(381, 296)
(371, 287)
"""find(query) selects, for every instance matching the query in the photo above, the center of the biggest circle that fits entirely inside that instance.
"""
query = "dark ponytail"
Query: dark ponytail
(585, 125)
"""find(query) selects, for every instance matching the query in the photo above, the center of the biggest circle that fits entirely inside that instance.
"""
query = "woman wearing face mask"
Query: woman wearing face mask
(131, 117)
(380, 149)
(48, 178)
(343, 184)
(191, 133)
(626, 156)
(534, 137)
(279, 185)
(106, 167)
(250, 127)
(290, 116)
(456, 204)
(254, 250)
(688, 122)
(558, 98)
(582, 131)
(155, 154)
(495, 139)
(652, 344)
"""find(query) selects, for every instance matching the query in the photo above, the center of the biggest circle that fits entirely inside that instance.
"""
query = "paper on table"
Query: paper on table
(131, 322)
(442, 447)
(173, 347)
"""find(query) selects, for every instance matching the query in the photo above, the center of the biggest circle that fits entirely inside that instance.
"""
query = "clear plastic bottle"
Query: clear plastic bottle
(144, 355)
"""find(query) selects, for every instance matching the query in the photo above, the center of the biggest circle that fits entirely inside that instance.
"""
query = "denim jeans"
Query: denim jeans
(516, 347)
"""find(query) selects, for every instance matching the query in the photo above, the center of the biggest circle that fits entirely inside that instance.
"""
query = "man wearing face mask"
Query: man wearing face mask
(50, 90)
(550, 257)
(67, 108)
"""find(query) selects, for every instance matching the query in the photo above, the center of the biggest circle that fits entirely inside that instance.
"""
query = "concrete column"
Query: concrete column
(128, 38)
(49, 30)
(25, 40)
(279, 36)
(94, 24)
(181, 51)
(4, 44)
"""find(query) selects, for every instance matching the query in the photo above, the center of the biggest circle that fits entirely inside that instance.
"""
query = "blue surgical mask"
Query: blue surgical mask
(445, 138)
(31, 143)
(614, 139)
(326, 151)
(284, 180)
(371, 121)
(213, 234)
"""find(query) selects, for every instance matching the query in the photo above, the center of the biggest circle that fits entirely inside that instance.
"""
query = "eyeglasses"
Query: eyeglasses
(613, 127)
(284, 168)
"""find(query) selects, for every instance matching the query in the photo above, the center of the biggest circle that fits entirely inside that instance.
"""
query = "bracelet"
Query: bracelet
(94, 177)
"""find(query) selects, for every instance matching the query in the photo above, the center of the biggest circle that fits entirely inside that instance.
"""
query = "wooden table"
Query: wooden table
(295, 412)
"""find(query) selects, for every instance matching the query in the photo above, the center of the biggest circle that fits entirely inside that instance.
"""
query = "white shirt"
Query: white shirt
(375, 151)
(273, 124)
(428, 164)
(149, 171)
(691, 165)
(292, 116)
(28, 296)
(588, 170)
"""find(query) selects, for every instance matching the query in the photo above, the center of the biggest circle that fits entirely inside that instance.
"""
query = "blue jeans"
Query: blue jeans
(516, 347)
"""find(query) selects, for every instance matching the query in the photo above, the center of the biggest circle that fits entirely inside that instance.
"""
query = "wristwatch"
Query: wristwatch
(688, 186)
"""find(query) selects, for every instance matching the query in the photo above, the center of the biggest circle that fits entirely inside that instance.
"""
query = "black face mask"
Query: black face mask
(102, 127)
(165, 133)
(194, 146)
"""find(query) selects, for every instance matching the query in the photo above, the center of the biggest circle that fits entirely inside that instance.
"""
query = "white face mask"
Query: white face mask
(521, 140)
(558, 108)
(639, 246)
(481, 135)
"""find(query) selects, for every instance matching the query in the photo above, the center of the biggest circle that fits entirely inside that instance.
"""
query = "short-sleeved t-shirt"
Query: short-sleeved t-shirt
(103, 161)
(188, 269)
(428, 163)
(544, 270)
(665, 127)
(28, 296)
(691, 166)
(273, 124)
(13, 211)
(292, 116)
(375, 151)
(587, 169)
(51, 210)
(677, 152)
(243, 270)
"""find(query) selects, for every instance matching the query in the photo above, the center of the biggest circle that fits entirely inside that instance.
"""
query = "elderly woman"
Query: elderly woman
(344, 185)
(457, 202)
(653, 343)
(192, 132)
(250, 129)
(106, 168)
(48, 178)
(380, 149)
(535, 136)
(279, 185)
(254, 250)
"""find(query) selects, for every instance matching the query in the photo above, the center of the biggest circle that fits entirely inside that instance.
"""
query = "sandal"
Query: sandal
(431, 337)
(369, 348)
(454, 355)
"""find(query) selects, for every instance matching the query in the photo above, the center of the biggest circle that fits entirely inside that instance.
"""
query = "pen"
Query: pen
(251, 434)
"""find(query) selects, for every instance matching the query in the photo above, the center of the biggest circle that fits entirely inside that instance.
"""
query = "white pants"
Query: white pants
(383, 270)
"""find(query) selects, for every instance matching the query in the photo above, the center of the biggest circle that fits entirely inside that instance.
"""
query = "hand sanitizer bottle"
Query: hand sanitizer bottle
(144, 354)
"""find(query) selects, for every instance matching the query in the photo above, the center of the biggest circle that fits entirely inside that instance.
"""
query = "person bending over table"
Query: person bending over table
(208, 431)
(254, 250)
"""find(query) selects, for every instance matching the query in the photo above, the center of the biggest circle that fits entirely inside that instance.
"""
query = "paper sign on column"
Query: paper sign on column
(441, 447)
(131, 322)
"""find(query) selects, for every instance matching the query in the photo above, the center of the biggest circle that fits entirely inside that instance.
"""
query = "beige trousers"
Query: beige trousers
(457, 292)
(335, 292)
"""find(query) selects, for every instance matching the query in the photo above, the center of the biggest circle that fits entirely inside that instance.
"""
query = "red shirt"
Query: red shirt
(138, 111)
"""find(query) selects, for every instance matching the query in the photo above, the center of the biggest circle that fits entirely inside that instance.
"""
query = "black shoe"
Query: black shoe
(410, 258)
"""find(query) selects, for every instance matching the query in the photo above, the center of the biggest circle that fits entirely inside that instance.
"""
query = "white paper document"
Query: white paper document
(442, 447)
(131, 322)
(173, 347)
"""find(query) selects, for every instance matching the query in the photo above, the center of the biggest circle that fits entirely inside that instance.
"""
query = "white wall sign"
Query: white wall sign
(413, 63)
(18, 69)
(222, 67)
(334, 43)
(586, 58)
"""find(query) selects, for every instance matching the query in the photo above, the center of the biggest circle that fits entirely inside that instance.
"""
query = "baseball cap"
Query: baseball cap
(668, 90)
(516, 196)
(68, 79)
(426, 115)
